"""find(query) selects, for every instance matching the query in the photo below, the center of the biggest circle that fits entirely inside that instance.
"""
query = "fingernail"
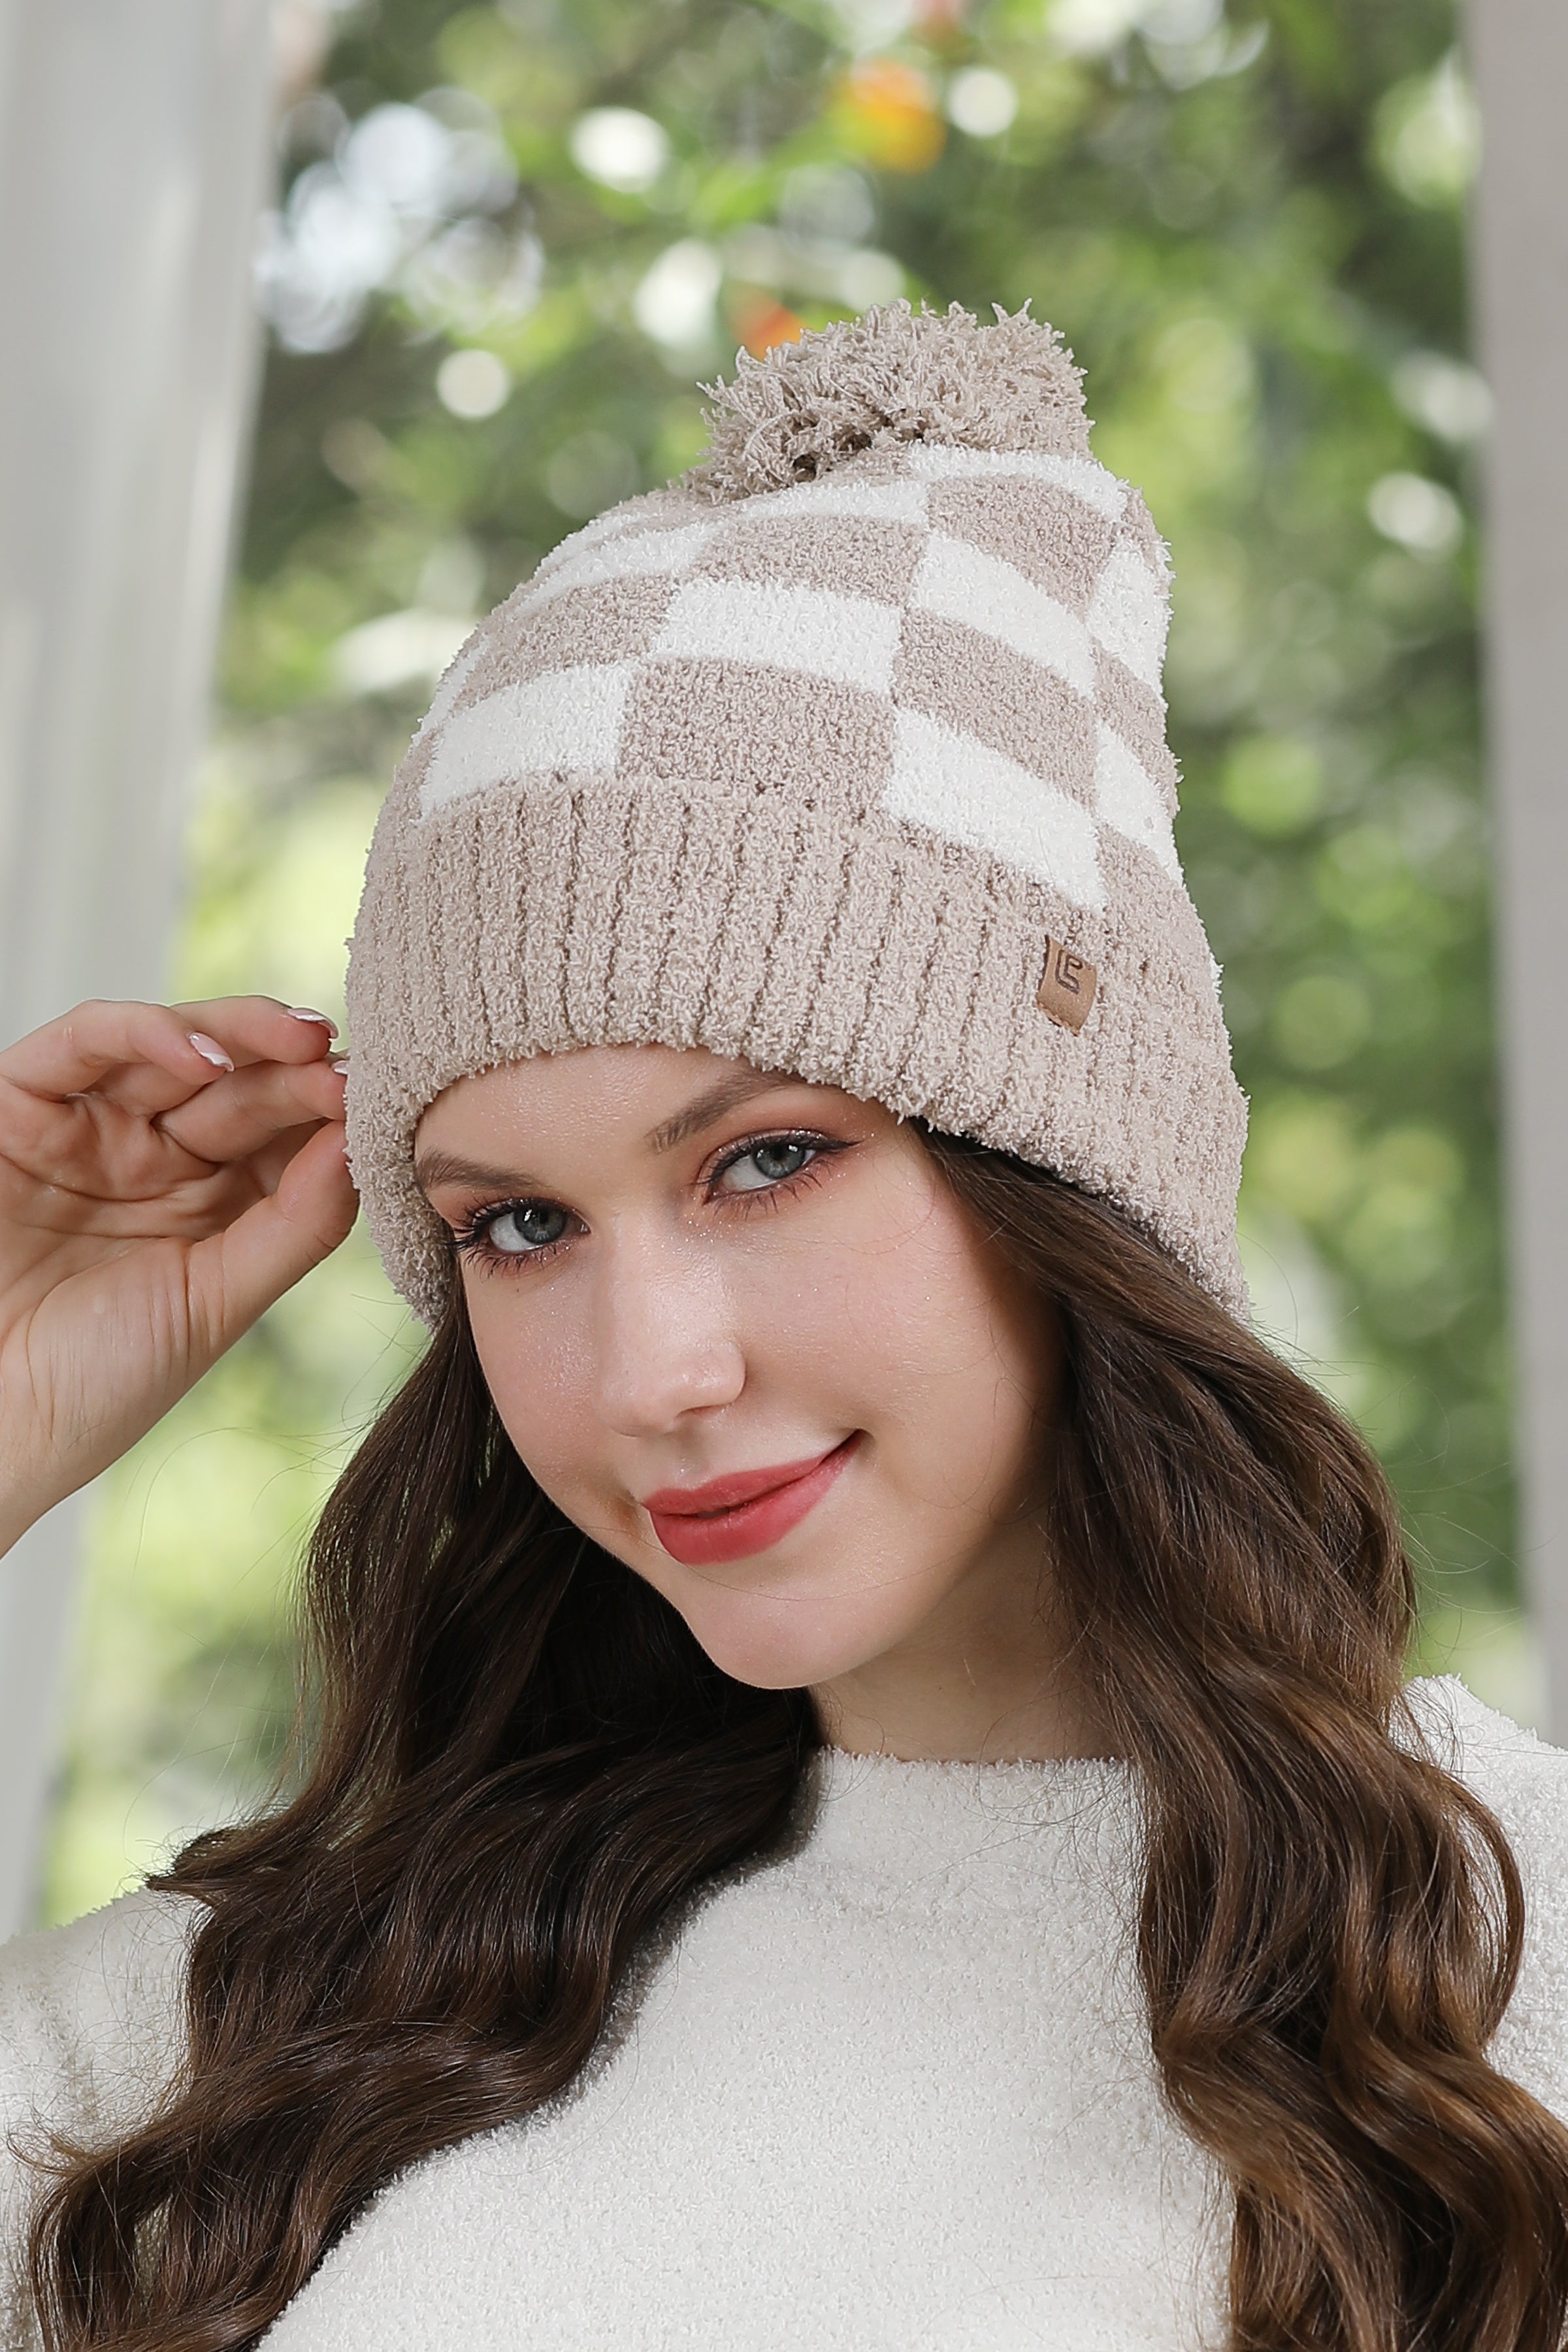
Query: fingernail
(337, 1061)
(303, 1012)
(209, 1049)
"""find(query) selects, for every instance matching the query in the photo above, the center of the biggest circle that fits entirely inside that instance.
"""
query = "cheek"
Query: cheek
(537, 1368)
(939, 1352)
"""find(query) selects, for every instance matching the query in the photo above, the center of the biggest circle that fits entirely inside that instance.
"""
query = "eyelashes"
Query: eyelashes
(471, 1240)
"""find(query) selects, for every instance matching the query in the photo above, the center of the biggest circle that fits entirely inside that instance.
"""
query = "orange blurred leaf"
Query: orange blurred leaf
(759, 321)
(888, 112)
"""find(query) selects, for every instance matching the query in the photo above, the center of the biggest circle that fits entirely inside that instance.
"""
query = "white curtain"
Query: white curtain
(134, 154)
(1520, 51)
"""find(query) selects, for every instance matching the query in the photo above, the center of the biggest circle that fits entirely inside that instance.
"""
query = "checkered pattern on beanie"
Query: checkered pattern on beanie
(898, 726)
(973, 647)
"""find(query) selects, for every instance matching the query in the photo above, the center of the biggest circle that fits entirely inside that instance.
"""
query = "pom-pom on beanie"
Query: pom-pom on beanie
(846, 755)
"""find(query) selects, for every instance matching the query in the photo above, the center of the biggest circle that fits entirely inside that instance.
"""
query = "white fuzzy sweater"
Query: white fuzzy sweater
(893, 2091)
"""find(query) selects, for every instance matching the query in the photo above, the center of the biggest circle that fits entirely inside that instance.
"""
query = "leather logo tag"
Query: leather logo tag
(1067, 986)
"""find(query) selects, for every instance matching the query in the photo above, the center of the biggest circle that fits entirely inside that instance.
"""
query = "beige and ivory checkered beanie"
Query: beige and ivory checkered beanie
(844, 754)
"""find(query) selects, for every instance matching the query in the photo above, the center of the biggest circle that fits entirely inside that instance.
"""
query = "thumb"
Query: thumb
(242, 1271)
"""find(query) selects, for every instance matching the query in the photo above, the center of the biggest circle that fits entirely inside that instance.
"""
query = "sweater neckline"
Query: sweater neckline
(1020, 1764)
(885, 1814)
(881, 1817)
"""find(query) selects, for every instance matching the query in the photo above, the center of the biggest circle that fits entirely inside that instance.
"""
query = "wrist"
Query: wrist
(20, 1508)
(14, 1526)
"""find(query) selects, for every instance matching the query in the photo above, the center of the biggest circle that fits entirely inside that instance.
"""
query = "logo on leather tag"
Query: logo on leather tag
(1067, 986)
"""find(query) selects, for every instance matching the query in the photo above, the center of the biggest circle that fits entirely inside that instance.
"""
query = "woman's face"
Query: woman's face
(743, 1334)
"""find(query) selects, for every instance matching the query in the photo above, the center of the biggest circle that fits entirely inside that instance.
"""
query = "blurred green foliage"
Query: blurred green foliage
(511, 241)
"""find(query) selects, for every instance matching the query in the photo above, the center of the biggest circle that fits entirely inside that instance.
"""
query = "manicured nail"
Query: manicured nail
(209, 1049)
(303, 1012)
(337, 1061)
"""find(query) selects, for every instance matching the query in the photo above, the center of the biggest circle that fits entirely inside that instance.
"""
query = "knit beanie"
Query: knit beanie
(846, 755)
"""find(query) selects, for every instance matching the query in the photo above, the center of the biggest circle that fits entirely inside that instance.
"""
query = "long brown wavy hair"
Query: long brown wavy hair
(520, 1763)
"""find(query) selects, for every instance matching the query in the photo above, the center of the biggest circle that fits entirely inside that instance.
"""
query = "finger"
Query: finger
(264, 1168)
(74, 1053)
(237, 1116)
(260, 1028)
(236, 1275)
(230, 1032)
(103, 1169)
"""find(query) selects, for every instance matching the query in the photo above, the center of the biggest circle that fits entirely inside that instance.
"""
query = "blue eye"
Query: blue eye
(772, 1162)
(524, 1229)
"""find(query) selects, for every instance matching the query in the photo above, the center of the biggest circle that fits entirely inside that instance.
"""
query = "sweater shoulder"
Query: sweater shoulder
(89, 2013)
(1521, 1776)
(1523, 1780)
(90, 2031)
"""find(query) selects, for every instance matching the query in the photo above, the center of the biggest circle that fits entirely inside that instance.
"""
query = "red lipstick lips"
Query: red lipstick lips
(730, 1518)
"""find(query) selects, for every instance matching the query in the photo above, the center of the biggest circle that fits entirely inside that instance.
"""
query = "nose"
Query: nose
(664, 1338)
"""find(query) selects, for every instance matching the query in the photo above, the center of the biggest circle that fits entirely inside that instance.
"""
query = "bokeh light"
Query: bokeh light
(982, 101)
(472, 384)
(619, 148)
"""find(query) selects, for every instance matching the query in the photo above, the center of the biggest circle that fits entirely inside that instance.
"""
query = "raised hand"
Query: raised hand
(165, 1174)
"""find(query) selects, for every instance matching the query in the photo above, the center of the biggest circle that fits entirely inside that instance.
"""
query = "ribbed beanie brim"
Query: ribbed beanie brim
(846, 755)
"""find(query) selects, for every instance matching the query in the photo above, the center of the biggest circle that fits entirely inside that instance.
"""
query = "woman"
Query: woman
(856, 1786)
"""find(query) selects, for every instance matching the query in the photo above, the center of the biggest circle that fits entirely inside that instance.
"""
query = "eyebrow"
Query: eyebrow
(435, 1167)
(726, 1095)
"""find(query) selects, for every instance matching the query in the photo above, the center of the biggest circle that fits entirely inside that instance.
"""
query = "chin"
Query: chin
(773, 1644)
